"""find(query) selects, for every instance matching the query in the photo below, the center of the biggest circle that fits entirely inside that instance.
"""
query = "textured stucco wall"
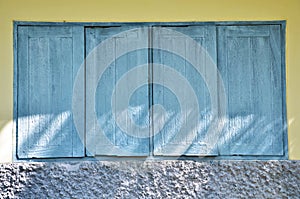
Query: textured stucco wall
(160, 179)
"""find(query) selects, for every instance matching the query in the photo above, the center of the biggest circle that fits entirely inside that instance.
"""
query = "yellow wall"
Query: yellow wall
(148, 10)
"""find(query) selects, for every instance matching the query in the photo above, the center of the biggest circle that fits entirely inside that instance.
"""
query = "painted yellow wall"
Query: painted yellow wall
(148, 10)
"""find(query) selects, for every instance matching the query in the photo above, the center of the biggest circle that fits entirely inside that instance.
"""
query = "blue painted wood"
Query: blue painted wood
(250, 64)
(195, 140)
(283, 83)
(48, 59)
(104, 135)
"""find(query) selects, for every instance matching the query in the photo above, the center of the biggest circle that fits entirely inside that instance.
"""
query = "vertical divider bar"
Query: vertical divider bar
(218, 81)
(150, 89)
(284, 82)
(84, 90)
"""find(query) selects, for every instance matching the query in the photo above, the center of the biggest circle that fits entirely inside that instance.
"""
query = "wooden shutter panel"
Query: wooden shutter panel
(48, 60)
(250, 65)
(192, 140)
(104, 137)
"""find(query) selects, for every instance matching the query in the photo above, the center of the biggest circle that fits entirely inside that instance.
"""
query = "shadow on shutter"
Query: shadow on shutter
(48, 60)
(250, 64)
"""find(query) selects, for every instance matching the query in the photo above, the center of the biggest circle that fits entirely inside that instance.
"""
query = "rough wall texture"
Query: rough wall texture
(159, 179)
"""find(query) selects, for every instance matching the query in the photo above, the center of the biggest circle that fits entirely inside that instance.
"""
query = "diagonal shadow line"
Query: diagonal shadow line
(37, 136)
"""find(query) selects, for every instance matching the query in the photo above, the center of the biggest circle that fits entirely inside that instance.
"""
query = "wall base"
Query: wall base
(158, 179)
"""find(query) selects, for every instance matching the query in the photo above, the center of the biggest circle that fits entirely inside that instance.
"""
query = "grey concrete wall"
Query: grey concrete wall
(160, 179)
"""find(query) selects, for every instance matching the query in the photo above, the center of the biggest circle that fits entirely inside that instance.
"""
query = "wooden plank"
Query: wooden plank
(22, 91)
(249, 62)
(78, 141)
(165, 24)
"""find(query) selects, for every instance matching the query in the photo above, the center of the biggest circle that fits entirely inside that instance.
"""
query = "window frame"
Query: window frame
(282, 24)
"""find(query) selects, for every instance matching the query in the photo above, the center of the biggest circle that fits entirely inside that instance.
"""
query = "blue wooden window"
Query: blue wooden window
(247, 59)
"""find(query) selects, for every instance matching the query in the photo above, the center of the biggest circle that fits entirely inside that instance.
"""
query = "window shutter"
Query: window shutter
(176, 49)
(116, 56)
(250, 65)
(48, 60)
(179, 71)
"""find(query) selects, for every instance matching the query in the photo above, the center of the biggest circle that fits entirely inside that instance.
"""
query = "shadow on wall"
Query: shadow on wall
(6, 143)
(291, 143)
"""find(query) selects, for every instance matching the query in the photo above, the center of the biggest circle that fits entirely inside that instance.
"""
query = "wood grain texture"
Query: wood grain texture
(249, 57)
(48, 60)
(195, 140)
(111, 139)
(250, 64)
